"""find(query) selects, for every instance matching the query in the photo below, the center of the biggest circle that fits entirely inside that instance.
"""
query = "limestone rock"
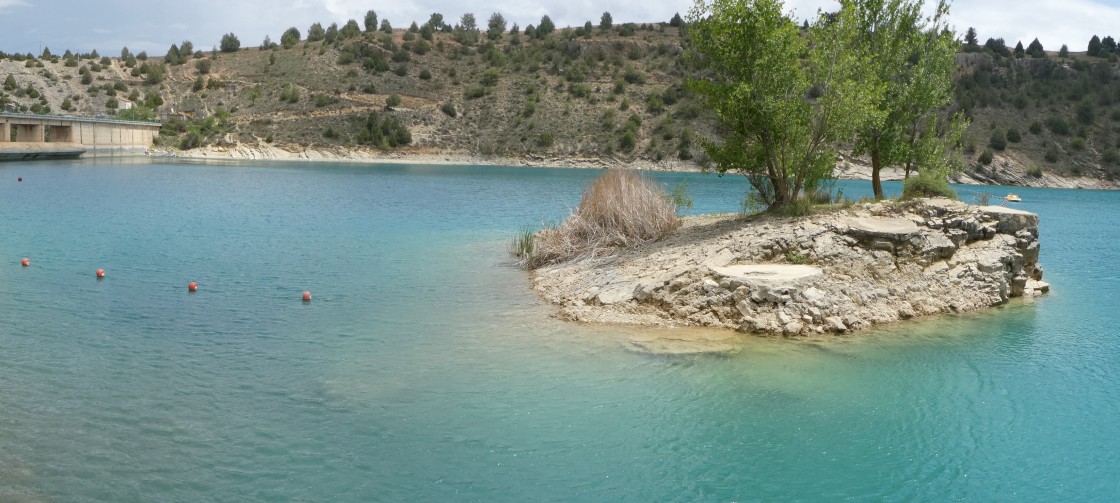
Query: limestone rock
(867, 265)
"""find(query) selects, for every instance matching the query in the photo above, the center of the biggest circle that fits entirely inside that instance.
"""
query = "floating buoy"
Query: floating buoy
(192, 286)
(307, 296)
(20, 179)
(25, 262)
(100, 273)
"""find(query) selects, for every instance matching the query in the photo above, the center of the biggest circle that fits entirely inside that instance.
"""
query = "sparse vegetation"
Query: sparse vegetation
(621, 208)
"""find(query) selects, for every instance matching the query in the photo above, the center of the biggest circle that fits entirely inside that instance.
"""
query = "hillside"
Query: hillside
(595, 95)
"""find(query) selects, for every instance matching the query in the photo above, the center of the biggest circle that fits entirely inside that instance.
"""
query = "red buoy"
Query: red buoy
(192, 286)
(307, 296)
(100, 273)
(25, 262)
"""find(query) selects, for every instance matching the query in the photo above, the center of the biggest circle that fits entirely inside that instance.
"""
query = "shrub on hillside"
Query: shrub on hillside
(621, 208)
(986, 157)
(998, 141)
(1014, 136)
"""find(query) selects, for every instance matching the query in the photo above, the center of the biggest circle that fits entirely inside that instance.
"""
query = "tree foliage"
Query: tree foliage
(290, 38)
(757, 74)
(496, 26)
(229, 43)
(1035, 50)
(315, 33)
(371, 21)
(912, 58)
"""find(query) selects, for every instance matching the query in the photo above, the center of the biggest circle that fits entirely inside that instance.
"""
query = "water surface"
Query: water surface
(426, 370)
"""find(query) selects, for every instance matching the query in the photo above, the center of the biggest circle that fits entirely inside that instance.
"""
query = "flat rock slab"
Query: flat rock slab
(1003, 210)
(771, 273)
(896, 229)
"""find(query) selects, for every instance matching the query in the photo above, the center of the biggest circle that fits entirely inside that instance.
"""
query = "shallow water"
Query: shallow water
(424, 368)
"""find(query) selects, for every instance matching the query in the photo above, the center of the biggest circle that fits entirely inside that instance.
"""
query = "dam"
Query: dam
(33, 136)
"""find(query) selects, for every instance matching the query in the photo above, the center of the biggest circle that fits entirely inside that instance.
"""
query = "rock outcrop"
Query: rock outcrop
(838, 272)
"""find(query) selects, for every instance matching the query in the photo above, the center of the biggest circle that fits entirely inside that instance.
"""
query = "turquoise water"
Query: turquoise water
(425, 370)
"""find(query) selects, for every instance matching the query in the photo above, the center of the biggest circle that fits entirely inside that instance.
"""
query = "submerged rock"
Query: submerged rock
(831, 273)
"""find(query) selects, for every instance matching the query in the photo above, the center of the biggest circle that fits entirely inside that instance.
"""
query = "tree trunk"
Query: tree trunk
(876, 183)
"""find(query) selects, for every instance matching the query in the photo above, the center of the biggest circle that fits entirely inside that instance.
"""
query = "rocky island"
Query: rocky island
(834, 272)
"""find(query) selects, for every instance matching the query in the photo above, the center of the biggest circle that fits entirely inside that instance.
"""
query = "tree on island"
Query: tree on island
(757, 75)
(911, 58)
(230, 43)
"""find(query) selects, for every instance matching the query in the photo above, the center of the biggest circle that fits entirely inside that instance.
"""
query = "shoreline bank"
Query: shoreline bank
(1004, 172)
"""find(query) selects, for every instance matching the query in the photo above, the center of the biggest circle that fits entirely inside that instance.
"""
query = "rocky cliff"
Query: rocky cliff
(837, 272)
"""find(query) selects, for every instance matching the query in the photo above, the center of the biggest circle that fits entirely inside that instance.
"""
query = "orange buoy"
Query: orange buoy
(307, 296)
(192, 286)
(100, 273)
(25, 262)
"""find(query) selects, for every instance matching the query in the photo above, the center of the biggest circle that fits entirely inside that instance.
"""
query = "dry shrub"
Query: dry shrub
(621, 208)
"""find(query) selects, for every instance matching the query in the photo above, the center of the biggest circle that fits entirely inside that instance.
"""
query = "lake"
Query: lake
(425, 369)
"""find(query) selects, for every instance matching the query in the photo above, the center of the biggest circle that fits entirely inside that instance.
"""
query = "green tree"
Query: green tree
(315, 33)
(970, 41)
(1019, 52)
(676, 21)
(186, 49)
(290, 38)
(371, 21)
(435, 21)
(172, 58)
(332, 33)
(386, 27)
(495, 26)
(912, 59)
(606, 22)
(1095, 47)
(350, 30)
(545, 27)
(1035, 49)
(1108, 44)
(1063, 52)
(229, 43)
(756, 81)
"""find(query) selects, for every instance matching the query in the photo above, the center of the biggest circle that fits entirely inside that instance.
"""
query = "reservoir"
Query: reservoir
(425, 369)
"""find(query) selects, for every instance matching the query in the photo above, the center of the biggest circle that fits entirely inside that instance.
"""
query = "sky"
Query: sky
(144, 25)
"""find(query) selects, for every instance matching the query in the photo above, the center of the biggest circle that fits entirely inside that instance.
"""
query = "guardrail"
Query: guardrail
(77, 118)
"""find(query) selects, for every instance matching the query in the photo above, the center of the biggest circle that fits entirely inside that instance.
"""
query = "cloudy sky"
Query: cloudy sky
(109, 25)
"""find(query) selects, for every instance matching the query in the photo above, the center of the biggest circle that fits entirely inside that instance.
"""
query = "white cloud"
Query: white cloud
(4, 4)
